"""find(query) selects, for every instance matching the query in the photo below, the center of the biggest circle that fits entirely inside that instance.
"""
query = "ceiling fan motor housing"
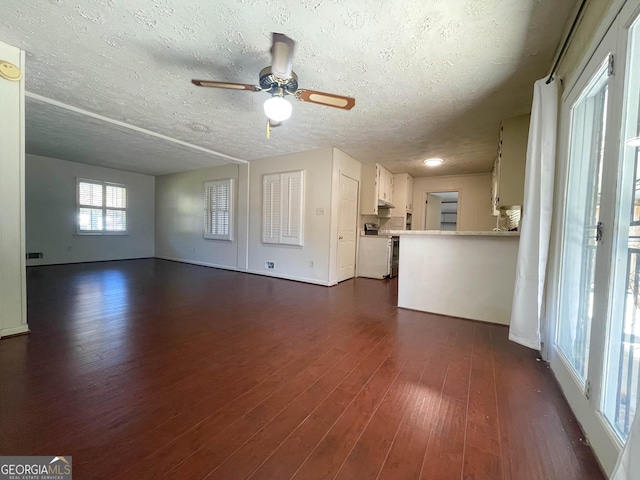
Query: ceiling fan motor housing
(269, 82)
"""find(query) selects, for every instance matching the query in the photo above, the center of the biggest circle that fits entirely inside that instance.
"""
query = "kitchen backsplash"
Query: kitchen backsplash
(392, 223)
(388, 223)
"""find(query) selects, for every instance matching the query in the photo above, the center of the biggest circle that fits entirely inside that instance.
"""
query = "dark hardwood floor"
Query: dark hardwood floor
(151, 369)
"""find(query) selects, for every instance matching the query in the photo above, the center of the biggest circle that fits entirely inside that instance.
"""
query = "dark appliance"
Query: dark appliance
(371, 228)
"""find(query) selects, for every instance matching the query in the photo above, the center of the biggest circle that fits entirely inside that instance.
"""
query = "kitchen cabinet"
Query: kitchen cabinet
(376, 188)
(403, 192)
(509, 167)
(403, 198)
(385, 192)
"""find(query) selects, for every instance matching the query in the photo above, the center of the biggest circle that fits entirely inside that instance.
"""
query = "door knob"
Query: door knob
(340, 237)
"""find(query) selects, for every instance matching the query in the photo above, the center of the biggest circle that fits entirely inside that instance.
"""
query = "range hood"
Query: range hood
(385, 204)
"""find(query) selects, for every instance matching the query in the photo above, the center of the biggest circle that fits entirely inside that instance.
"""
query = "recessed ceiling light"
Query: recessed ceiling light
(433, 162)
(634, 142)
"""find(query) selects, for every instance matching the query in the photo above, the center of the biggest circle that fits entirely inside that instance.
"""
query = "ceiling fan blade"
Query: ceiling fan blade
(328, 99)
(231, 86)
(282, 56)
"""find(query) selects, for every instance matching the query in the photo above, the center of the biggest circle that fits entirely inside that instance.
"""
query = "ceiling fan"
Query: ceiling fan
(279, 80)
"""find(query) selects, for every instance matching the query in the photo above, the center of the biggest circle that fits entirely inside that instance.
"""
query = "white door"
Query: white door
(594, 352)
(433, 212)
(347, 227)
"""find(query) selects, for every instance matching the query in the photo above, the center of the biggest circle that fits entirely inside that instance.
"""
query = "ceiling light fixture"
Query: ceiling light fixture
(433, 162)
(634, 142)
(277, 108)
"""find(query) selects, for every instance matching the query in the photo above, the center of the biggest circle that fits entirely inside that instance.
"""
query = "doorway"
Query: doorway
(441, 211)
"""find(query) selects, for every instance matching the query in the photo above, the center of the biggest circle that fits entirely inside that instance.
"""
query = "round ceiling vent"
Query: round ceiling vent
(196, 127)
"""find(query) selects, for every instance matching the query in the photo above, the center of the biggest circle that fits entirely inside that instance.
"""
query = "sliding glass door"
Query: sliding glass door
(588, 119)
(595, 351)
(622, 368)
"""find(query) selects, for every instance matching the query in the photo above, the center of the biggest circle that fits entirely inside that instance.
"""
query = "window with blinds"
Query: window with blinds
(218, 209)
(102, 207)
(282, 218)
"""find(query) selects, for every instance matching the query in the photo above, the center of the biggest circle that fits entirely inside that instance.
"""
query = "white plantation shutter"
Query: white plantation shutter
(291, 233)
(116, 203)
(102, 207)
(271, 204)
(90, 219)
(90, 194)
(116, 196)
(283, 197)
(218, 209)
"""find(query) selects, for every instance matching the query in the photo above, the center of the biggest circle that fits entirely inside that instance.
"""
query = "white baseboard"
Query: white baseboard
(5, 332)
(196, 262)
(295, 278)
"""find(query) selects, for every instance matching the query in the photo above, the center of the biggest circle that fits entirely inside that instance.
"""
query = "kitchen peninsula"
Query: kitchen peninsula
(461, 274)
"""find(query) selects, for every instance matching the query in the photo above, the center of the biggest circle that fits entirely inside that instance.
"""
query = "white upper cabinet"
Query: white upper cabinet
(403, 193)
(376, 188)
(509, 167)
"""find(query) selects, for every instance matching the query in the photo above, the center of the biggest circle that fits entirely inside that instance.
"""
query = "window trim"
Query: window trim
(206, 233)
(104, 208)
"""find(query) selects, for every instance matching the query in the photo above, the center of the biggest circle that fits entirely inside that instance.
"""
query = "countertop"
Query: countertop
(488, 233)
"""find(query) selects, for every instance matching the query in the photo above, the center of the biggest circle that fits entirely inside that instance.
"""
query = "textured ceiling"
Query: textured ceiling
(430, 77)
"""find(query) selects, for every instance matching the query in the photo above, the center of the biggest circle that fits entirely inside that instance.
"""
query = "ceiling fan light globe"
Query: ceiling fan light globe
(277, 109)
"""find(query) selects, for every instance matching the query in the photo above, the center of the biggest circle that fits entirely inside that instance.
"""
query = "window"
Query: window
(102, 208)
(218, 209)
(283, 208)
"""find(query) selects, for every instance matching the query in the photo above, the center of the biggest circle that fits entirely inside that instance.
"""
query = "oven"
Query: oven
(395, 256)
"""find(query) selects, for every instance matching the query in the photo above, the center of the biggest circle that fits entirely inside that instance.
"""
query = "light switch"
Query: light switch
(320, 211)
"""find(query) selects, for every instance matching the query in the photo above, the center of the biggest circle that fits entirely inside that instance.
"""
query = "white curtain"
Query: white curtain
(526, 314)
(628, 466)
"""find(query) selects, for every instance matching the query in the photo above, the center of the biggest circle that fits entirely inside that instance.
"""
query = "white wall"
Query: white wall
(474, 201)
(13, 312)
(179, 204)
(51, 212)
(294, 261)
(180, 217)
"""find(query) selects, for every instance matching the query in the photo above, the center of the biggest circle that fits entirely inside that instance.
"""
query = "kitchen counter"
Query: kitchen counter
(460, 274)
(487, 233)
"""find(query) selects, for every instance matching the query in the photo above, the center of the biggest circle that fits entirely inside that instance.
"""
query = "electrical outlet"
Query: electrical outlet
(270, 265)
(311, 265)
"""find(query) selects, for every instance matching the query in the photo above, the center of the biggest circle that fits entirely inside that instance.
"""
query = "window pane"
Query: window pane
(622, 365)
(90, 219)
(581, 217)
(116, 220)
(90, 194)
(116, 197)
